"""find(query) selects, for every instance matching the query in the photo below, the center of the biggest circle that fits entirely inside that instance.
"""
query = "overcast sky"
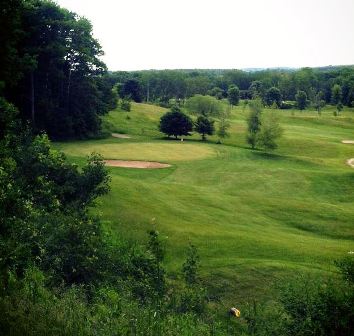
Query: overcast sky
(185, 34)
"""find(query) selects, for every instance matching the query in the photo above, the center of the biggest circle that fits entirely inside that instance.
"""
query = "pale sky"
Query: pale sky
(222, 34)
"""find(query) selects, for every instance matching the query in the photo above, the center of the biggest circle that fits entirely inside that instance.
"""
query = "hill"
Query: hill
(257, 218)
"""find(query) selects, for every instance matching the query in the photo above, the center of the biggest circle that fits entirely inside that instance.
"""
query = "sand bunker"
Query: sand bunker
(120, 136)
(350, 162)
(351, 142)
(136, 164)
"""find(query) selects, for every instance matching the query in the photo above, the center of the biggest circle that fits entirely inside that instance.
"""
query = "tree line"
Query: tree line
(332, 85)
(51, 69)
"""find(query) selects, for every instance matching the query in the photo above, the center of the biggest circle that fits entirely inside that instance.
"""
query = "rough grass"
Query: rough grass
(256, 217)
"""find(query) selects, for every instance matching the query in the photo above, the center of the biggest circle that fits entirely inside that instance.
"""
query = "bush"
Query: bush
(125, 105)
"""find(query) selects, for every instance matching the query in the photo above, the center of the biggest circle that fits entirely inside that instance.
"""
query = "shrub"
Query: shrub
(125, 105)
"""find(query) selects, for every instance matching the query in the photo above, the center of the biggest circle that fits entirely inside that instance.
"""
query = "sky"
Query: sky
(220, 34)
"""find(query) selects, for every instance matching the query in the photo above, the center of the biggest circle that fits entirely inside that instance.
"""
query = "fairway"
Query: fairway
(257, 218)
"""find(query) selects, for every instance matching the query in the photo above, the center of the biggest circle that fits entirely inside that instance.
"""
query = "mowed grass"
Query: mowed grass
(257, 218)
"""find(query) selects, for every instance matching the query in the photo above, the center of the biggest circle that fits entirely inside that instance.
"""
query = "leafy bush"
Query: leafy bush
(125, 105)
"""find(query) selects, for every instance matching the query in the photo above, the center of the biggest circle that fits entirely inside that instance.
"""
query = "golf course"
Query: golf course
(257, 218)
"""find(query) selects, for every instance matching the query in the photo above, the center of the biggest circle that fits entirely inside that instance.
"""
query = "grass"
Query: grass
(257, 218)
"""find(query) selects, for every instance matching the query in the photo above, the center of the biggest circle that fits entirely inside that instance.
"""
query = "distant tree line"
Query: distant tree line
(51, 70)
(333, 84)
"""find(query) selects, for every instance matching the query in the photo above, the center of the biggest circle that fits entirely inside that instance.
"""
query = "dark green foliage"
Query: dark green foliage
(204, 126)
(301, 100)
(273, 96)
(44, 210)
(318, 309)
(131, 89)
(191, 265)
(175, 123)
(58, 82)
(346, 266)
(233, 94)
(163, 85)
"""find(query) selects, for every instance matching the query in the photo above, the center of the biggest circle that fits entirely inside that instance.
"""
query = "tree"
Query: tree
(254, 121)
(175, 123)
(204, 126)
(318, 102)
(256, 89)
(270, 131)
(272, 96)
(336, 94)
(223, 124)
(206, 106)
(233, 95)
(301, 100)
(60, 83)
(339, 108)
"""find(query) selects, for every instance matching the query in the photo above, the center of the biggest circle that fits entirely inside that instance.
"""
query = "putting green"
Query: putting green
(157, 151)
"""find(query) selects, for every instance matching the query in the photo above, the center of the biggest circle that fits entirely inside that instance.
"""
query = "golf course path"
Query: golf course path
(120, 136)
(136, 164)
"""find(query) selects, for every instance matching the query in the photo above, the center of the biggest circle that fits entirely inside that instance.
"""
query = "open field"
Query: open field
(256, 217)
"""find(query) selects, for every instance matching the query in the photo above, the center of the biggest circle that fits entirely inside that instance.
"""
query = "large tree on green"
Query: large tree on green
(175, 123)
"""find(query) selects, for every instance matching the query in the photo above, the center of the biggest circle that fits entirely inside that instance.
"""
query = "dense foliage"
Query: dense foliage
(50, 68)
(163, 86)
(61, 272)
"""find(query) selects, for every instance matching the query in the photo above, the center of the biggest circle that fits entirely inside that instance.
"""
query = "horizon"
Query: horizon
(158, 35)
(248, 69)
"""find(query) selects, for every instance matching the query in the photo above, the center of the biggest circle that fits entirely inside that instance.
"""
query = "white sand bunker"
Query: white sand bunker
(351, 142)
(120, 136)
(350, 162)
(136, 164)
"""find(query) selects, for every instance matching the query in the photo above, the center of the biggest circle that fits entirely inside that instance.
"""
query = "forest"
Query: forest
(65, 270)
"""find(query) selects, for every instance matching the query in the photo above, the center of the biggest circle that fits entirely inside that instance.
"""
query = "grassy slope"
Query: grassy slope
(256, 217)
